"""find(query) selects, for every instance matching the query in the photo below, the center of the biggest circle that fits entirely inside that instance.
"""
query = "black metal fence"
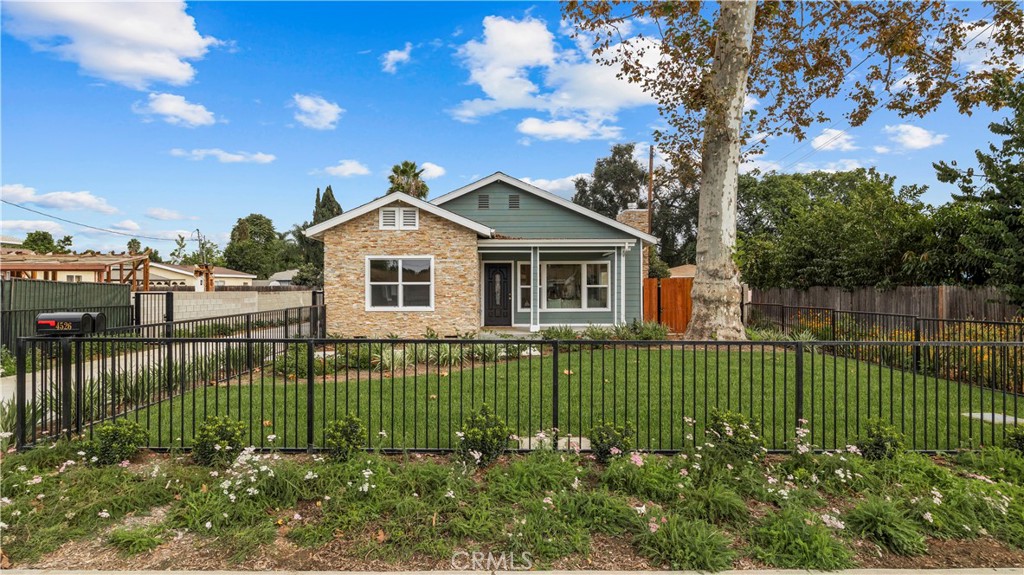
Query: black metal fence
(22, 299)
(415, 394)
(838, 325)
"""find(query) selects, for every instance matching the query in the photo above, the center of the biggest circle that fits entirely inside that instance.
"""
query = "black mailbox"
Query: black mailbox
(70, 323)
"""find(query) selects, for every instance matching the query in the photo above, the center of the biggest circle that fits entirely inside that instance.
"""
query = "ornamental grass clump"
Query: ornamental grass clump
(883, 523)
(715, 503)
(343, 437)
(682, 543)
(116, 442)
(218, 441)
(608, 440)
(649, 477)
(795, 539)
(484, 437)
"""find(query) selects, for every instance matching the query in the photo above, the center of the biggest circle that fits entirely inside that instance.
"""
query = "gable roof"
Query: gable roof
(316, 232)
(546, 195)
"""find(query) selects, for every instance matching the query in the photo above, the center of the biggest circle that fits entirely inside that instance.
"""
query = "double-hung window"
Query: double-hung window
(400, 283)
(525, 287)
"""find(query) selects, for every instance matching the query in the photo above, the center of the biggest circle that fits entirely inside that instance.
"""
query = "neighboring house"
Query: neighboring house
(496, 253)
(163, 275)
(683, 271)
(9, 242)
(283, 278)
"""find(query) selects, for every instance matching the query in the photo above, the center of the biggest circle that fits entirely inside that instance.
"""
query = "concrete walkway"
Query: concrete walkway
(1002, 571)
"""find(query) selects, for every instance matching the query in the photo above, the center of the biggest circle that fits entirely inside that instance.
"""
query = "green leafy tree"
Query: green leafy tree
(408, 178)
(206, 252)
(255, 246)
(42, 243)
(997, 186)
(308, 275)
(617, 181)
(787, 55)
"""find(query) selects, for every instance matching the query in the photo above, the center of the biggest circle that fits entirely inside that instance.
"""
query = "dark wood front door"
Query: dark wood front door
(497, 294)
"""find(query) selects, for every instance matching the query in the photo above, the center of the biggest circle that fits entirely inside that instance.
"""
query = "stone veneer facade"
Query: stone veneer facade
(456, 277)
(637, 219)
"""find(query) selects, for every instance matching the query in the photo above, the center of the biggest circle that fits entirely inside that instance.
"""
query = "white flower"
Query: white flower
(382, 433)
(297, 517)
(103, 514)
(450, 494)
(460, 435)
(22, 468)
(310, 475)
(642, 510)
(928, 517)
(208, 525)
(271, 438)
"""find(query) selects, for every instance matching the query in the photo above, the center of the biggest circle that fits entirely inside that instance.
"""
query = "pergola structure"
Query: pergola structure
(132, 269)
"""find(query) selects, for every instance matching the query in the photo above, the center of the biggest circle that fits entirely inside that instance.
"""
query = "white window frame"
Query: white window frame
(584, 285)
(399, 218)
(401, 293)
(519, 287)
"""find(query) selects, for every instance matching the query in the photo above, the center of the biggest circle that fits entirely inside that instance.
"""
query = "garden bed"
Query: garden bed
(713, 506)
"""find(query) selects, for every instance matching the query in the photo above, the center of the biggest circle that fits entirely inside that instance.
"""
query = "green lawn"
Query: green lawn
(652, 389)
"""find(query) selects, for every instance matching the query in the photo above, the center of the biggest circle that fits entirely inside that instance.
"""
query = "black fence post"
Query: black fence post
(79, 384)
(835, 334)
(554, 394)
(169, 314)
(65, 386)
(917, 345)
(309, 395)
(799, 383)
(314, 321)
(286, 323)
(248, 345)
(19, 394)
(138, 309)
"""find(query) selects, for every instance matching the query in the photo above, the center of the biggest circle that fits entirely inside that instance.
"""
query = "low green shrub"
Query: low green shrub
(7, 363)
(484, 437)
(600, 511)
(131, 541)
(608, 440)
(1015, 438)
(650, 477)
(343, 437)
(795, 539)
(685, 544)
(996, 463)
(649, 331)
(883, 523)
(715, 503)
(734, 435)
(218, 440)
(559, 332)
(117, 441)
(880, 441)
(598, 333)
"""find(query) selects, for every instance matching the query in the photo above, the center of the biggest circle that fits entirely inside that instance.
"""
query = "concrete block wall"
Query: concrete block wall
(199, 305)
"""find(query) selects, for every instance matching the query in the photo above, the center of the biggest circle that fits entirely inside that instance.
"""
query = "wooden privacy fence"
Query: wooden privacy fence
(942, 302)
(667, 301)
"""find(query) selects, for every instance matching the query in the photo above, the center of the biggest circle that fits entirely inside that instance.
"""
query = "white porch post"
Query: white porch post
(622, 285)
(535, 289)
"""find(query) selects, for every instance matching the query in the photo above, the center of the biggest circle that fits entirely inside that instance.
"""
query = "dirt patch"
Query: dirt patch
(983, 552)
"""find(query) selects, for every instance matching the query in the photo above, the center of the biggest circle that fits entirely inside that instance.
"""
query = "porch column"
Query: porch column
(622, 285)
(535, 289)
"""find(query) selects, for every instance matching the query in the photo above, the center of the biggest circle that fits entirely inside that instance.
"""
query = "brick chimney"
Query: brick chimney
(637, 218)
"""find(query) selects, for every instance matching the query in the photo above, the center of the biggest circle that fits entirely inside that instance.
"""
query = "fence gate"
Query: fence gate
(667, 301)
(153, 307)
(22, 299)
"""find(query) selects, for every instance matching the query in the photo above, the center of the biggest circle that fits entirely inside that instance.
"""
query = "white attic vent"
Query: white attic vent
(399, 219)
(410, 218)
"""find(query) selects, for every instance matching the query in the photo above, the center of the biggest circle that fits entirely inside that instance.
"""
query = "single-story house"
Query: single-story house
(163, 275)
(497, 253)
(683, 271)
(282, 278)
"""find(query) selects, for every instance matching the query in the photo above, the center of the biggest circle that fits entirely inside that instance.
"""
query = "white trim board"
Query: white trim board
(316, 232)
(546, 195)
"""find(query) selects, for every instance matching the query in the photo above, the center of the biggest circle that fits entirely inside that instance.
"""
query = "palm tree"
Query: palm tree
(407, 178)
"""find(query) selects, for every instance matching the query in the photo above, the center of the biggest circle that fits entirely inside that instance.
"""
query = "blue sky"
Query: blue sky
(157, 119)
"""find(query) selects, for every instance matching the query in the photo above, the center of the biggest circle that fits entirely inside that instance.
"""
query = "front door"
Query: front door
(497, 294)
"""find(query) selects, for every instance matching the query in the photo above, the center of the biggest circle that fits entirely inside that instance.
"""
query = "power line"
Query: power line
(80, 224)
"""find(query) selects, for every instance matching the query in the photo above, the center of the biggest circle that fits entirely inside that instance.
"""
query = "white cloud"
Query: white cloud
(519, 65)
(844, 165)
(431, 170)
(562, 186)
(165, 214)
(571, 130)
(750, 102)
(176, 110)
(348, 168)
(316, 112)
(752, 162)
(225, 157)
(912, 137)
(833, 139)
(983, 46)
(126, 226)
(130, 43)
(8, 226)
(882, 149)
(392, 58)
(21, 194)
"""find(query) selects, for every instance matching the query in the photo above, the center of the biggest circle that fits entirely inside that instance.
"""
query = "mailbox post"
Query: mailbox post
(69, 327)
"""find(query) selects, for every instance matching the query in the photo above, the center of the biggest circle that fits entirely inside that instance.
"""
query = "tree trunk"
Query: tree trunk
(716, 288)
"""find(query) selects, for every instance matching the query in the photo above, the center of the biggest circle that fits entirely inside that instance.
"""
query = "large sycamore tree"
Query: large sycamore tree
(708, 59)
